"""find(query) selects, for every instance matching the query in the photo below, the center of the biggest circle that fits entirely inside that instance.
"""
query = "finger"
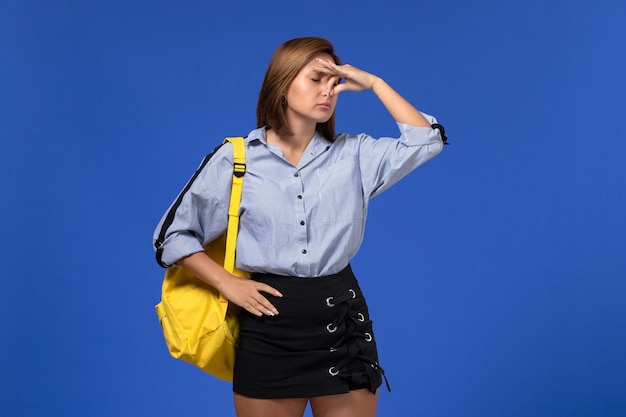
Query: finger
(256, 307)
(341, 87)
(268, 307)
(269, 289)
(257, 312)
(328, 66)
(326, 62)
(262, 306)
(333, 82)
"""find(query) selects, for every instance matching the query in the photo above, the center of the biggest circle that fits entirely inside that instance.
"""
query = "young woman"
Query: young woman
(305, 334)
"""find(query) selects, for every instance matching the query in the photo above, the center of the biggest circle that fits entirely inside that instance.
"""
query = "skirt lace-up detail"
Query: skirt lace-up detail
(355, 344)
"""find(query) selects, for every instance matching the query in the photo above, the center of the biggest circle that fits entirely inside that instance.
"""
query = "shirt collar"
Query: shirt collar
(317, 144)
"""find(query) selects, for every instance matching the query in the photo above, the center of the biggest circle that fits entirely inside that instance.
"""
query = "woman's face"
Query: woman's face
(310, 97)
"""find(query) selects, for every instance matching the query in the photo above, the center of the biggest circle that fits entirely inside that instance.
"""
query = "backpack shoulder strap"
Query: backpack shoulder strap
(239, 170)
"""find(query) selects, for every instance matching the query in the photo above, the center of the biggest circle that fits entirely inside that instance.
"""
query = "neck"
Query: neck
(301, 135)
(293, 145)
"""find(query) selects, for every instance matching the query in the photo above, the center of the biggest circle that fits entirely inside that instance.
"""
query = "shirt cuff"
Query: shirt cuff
(417, 136)
(178, 246)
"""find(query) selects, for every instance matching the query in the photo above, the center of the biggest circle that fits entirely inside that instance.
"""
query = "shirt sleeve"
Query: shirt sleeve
(385, 161)
(200, 212)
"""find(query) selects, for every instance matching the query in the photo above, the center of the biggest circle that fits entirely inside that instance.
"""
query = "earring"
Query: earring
(283, 100)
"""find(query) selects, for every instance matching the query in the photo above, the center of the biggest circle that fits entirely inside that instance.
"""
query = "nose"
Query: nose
(329, 91)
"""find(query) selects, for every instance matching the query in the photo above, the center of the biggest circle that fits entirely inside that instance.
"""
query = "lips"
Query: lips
(325, 105)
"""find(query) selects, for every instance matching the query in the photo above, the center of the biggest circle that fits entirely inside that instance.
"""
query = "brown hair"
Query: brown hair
(287, 61)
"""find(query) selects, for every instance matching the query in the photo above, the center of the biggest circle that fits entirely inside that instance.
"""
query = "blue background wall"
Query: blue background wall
(495, 273)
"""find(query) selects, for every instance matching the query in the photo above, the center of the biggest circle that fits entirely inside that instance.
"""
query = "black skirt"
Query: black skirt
(320, 343)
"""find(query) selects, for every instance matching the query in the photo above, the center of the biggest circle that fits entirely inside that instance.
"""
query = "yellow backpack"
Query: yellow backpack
(199, 324)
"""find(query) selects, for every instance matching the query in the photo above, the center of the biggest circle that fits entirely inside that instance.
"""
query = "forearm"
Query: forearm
(399, 108)
(205, 268)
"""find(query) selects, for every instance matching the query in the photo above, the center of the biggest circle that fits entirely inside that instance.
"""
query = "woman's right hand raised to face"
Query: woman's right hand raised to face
(244, 292)
(354, 78)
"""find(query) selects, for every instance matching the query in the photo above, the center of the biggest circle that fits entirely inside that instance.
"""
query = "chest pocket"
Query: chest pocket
(340, 191)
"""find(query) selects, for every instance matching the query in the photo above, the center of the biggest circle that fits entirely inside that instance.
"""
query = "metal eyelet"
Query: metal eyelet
(331, 328)
(329, 302)
(332, 371)
(368, 337)
(352, 292)
(333, 349)
(360, 317)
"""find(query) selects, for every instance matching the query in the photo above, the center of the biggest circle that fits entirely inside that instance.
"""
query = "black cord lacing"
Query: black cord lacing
(356, 327)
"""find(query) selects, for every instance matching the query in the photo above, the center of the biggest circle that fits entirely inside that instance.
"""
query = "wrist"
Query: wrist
(377, 83)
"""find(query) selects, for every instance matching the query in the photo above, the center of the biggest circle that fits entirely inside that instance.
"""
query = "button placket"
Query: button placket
(300, 213)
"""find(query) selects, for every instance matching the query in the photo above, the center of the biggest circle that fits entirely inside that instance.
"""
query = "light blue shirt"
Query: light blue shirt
(306, 220)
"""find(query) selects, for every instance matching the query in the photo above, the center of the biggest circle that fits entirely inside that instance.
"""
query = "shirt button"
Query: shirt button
(302, 222)
(296, 174)
(304, 251)
(299, 197)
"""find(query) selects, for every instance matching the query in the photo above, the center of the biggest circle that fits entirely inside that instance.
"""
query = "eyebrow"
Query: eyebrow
(313, 70)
